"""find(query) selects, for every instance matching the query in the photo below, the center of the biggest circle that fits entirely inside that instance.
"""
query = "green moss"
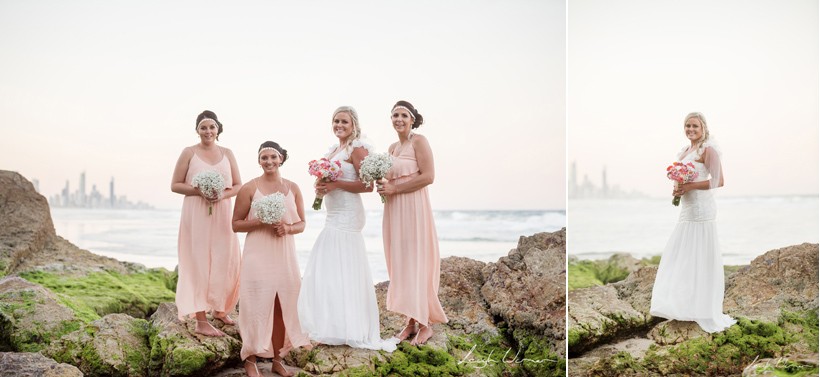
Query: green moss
(15, 306)
(80, 350)
(101, 293)
(535, 356)
(410, 360)
(724, 353)
(2, 268)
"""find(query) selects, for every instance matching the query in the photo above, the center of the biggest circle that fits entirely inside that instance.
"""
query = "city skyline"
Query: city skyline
(94, 199)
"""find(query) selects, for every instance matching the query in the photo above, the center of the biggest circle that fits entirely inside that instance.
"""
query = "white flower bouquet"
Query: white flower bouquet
(375, 167)
(270, 209)
(211, 184)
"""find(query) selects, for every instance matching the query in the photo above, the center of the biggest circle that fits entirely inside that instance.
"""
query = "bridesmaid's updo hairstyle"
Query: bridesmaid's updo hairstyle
(418, 120)
(208, 114)
(275, 146)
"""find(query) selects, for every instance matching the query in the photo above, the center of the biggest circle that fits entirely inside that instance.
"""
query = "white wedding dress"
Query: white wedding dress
(689, 284)
(337, 301)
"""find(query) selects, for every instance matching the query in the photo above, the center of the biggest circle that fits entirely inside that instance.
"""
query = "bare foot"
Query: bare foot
(278, 367)
(222, 316)
(424, 334)
(251, 370)
(205, 328)
(406, 332)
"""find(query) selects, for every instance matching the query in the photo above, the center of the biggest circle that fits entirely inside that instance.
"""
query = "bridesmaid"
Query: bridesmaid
(410, 241)
(208, 248)
(268, 320)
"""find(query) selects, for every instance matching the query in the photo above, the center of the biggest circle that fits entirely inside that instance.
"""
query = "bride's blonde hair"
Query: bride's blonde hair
(357, 131)
(702, 120)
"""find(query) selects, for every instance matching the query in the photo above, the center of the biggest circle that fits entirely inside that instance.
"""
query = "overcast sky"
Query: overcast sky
(637, 67)
(112, 89)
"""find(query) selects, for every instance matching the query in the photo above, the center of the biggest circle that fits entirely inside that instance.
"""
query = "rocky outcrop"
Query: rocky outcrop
(781, 279)
(612, 334)
(176, 350)
(527, 287)
(34, 365)
(28, 239)
(31, 316)
(115, 345)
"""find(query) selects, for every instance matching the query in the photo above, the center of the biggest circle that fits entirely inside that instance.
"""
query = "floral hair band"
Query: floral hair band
(408, 110)
(204, 119)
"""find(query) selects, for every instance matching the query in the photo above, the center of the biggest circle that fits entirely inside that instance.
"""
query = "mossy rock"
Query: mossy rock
(31, 316)
(588, 273)
(724, 353)
(177, 351)
(116, 345)
(99, 293)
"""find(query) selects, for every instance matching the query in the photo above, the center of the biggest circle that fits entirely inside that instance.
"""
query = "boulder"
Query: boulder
(34, 365)
(28, 237)
(527, 287)
(673, 332)
(25, 221)
(598, 314)
(460, 296)
(31, 316)
(636, 289)
(780, 279)
(115, 345)
(176, 350)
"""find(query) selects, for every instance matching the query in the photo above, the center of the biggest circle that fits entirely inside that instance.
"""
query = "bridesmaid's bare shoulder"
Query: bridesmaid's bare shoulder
(292, 185)
(392, 147)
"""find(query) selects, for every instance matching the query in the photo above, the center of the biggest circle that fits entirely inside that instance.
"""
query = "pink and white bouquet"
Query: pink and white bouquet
(681, 173)
(270, 209)
(326, 171)
(211, 184)
(374, 167)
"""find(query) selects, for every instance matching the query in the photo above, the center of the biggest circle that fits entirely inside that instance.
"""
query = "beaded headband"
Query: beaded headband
(204, 119)
(408, 110)
(270, 148)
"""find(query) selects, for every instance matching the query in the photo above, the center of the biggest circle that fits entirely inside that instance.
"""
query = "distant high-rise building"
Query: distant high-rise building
(111, 193)
(36, 184)
(604, 187)
(81, 193)
(573, 180)
(65, 196)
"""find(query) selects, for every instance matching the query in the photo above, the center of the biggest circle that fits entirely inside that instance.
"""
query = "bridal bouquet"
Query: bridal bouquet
(681, 173)
(374, 167)
(270, 209)
(211, 184)
(325, 170)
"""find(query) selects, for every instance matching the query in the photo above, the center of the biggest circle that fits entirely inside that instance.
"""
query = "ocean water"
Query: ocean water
(747, 227)
(149, 237)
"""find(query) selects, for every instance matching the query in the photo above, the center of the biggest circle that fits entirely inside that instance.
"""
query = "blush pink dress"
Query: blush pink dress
(208, 249)
(270, 268)
(411, 245)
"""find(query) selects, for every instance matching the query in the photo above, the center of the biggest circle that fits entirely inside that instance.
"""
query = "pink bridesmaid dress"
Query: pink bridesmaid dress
(209, 257)
(411, 246)
(270, 268)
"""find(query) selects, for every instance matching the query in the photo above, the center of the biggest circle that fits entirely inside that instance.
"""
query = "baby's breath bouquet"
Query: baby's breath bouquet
(375, 167)
(270, 209)
(211, 184)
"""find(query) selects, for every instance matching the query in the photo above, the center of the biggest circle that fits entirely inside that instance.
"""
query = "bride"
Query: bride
(689, 284)
(337, 302)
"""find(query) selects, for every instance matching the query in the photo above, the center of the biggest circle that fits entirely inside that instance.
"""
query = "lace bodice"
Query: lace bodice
(698, 205)
(344, 209)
